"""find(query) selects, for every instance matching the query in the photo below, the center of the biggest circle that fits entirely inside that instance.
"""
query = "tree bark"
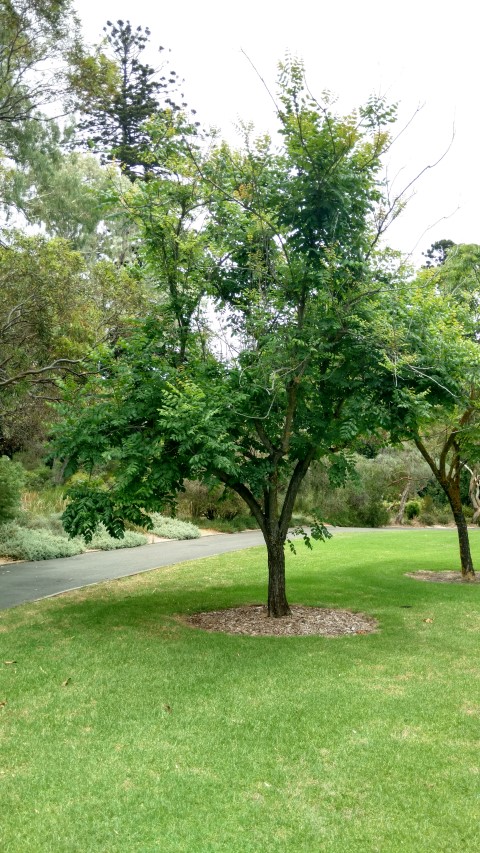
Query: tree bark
(403, 501)
(273, 527)
(466, 561)
(474, 492)
(277, 599)
(451, 486)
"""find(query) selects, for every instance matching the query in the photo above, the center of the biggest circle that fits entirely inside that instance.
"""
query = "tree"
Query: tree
(35, 41)
(407, 475)
(53, 311)
(294, 276)
(434, 354)
(12, 481)
(117, 94)
(35, 36)
(437, 253)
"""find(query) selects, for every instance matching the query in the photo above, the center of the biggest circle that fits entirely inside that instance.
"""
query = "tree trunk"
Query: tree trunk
(403, 501)
(277, 599)
(451, 486)
(466, 561)
(474, 492)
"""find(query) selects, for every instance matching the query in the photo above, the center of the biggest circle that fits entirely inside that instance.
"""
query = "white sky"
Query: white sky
(422, 53)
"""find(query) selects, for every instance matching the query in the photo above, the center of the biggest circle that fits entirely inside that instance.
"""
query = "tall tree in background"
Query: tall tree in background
(437, 253)
(54, 310)
(116, 93)
(35, 36)
(36, 39)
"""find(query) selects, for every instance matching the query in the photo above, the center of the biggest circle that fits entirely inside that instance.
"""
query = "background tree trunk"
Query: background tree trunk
(474, 492)
(466, 561)
(403, 501)
(451, 486)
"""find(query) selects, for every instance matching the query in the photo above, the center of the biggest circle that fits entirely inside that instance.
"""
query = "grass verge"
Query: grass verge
(124, 730)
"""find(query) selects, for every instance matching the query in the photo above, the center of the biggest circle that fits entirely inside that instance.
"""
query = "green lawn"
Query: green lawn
(170, 739)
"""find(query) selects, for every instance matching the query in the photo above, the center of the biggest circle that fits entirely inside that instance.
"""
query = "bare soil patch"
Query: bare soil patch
(252, 620)
(441, 577)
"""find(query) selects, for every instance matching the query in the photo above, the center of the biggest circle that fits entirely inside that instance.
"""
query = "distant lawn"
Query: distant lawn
(126, 732)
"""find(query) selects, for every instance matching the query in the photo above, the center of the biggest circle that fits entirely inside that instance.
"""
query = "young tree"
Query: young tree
(289, 239)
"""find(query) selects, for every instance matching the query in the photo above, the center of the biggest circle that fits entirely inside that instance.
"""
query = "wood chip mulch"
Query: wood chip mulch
(252, 620)
(441, 577)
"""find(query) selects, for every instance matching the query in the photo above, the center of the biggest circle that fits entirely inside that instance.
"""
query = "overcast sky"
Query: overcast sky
(422, 54)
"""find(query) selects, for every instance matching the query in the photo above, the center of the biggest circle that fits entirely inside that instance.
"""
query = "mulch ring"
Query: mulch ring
(441, 577)
(252, 620)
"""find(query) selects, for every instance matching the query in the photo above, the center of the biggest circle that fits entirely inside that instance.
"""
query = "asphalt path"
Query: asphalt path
(30, 581)
(23, 582)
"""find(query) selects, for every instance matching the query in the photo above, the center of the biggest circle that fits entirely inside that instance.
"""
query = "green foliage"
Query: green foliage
(25, 544)
(39, 478)
(81, 516)
(12, 481)
(48, 502)
(434, 354)
(173, 528)
(118, 93)
(282, 242)
(44, 538)
(102, 540)
(436, 255)
(199, 501)
(53, 311)
(358, 502)
(35, 39)
(229, 525)
(34, 521)
(412, 509)
(317, 531)
(31, 32)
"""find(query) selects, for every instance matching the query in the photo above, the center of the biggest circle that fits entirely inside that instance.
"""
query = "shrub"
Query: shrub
(358, 503)
(173, 528)
(231, 525)
(444, 517)
(102, 540)
(39, 478)
(23, 544)
(432, 513)
(40, 521)
(197, 501)
(412, 509)
(427, 518)
(12, 479)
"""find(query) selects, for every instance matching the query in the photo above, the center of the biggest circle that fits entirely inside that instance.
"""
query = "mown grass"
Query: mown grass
(125, 730)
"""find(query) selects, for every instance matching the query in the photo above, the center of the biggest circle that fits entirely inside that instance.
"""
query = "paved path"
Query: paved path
(22, 582)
